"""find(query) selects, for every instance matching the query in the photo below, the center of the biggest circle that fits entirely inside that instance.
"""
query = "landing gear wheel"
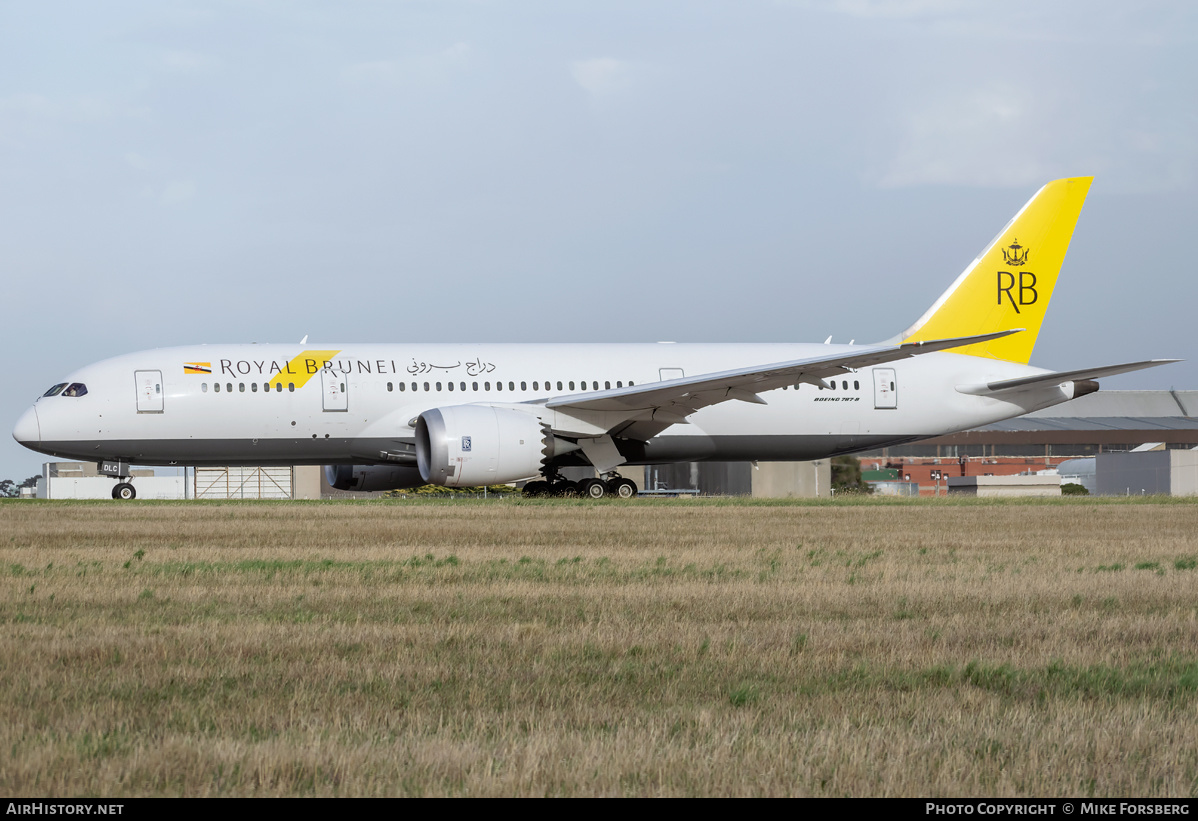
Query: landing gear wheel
(536, 489)
(593, 488)
(124, 491)
(622, 488)
(566, 490)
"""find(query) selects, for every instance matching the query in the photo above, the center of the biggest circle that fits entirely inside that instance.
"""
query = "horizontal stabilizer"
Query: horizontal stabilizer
(1056, 378)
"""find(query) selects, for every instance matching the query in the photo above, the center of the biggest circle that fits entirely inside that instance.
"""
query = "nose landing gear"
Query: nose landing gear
(118, 469)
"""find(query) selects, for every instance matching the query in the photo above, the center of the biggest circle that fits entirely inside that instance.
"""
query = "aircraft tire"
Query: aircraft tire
(622, 488)
(566, 490)
(535, 490)
(593, 488)
(124, 491)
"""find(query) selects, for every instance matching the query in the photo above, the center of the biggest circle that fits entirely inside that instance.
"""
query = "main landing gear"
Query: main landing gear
(554, 486)
(124, 491)
(616, 486)
(612, 485)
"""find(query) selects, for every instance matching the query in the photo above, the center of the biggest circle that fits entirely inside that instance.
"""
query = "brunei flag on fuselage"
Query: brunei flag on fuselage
(197, 367)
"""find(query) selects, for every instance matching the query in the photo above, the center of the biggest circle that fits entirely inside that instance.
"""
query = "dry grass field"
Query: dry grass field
(566, 647)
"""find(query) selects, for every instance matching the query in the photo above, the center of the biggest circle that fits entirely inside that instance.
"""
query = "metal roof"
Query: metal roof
(1098, 423)
(1139, 404)
(1112, 411)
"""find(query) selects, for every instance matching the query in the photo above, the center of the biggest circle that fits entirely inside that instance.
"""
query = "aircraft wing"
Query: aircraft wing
(1046, 379)
(666, 403)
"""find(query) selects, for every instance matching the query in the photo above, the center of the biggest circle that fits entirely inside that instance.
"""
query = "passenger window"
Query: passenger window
(241, 387)
(856, 385)
(511, 386)
(278, 387)
(389, 387)
(607, 386)
(438, 386)
(523, 386)
(571, 386)
(559, 386)
(56, 390)
(450, 386)
(290, 386)
(462, 385)
(845, 384)
(630, 383)
(619, 384)
(594, 386)
(498, 386)
(403, 386)
(486, 386)
(832, 386)
(474, 387)
(254, 387)
(203, 387)
(216, 387)
(414, 387)
(534, 386)
(426, 386)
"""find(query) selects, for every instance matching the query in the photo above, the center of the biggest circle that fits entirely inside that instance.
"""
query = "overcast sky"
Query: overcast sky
(185, 172)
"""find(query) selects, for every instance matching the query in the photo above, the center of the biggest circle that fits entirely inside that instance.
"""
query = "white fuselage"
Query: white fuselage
(355, 403)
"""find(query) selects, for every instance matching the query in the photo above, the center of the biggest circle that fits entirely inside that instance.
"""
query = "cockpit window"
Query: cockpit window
(75, 389)
(56, 390)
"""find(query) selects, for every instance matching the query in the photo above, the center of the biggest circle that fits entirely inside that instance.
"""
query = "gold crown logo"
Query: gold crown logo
(1014, 258)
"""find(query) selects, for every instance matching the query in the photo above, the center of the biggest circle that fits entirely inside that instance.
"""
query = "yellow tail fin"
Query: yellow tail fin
(1011, 281)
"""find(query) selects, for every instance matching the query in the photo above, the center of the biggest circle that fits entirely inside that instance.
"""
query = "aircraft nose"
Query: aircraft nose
(27, 430)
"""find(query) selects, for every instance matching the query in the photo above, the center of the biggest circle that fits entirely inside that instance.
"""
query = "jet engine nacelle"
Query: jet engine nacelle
(469, 445)
(366, 478)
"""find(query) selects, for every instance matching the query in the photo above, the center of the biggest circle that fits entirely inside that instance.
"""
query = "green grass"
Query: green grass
(550, 648)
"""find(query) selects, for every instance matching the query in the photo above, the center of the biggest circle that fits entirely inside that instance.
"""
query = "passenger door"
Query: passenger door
(149, 391)
(885, 388)
(334, 385)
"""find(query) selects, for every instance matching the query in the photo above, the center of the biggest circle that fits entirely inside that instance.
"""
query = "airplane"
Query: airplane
(385, 416)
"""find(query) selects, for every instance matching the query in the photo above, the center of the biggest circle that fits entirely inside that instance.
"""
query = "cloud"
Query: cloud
(137, 161)
(376, 71)
(29, 119)
(987, 136)
(457, 53)
(894, 9)
(427, 67)
(177, 192)
(85, 109)
(601, 76)
(190, 62)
